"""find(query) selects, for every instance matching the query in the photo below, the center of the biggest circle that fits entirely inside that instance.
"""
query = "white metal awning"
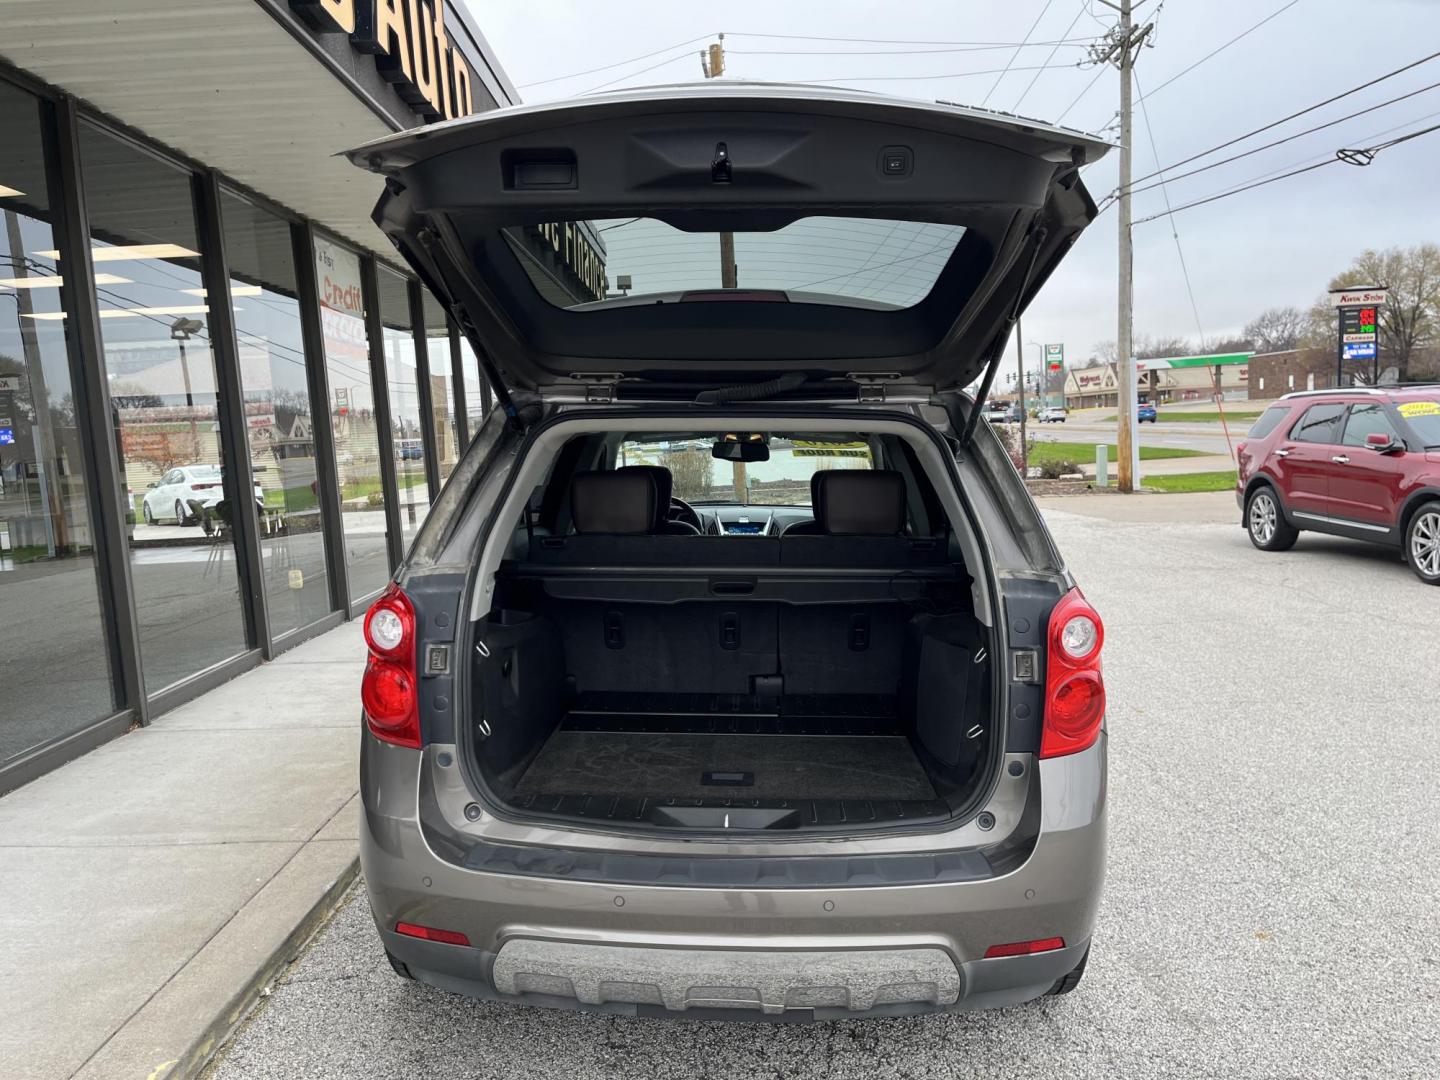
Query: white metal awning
(222, 82)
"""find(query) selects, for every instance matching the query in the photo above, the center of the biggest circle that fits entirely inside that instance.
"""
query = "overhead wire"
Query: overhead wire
(1278, 142)
(1051, 56)
(1078, 43)
(1351, 158)
(617, 63)
(1292, 116)
(1016, 55)
(1222, 48)
(1174, 229)
(632, 74)
(923, 78)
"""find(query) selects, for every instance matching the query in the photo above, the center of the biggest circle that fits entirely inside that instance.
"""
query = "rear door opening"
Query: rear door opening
(815, 678)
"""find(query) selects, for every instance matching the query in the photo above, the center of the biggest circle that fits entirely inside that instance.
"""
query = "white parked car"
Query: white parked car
(1052, 414)
(170, 497)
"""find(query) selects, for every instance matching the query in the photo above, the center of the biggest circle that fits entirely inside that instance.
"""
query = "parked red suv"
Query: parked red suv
(1362, 463)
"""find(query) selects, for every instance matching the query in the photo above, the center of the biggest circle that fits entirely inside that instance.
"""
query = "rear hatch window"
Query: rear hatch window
(857, 262)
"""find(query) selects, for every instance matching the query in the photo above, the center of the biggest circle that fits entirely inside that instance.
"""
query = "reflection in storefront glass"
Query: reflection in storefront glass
(477, 391)
(402, 380)
(49, 606)
(442, 383)
(352, 416)
(278, 415)
(155, 322)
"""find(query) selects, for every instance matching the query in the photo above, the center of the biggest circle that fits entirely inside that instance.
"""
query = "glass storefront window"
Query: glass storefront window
(352, 417)
(402, 380)
(278, 415)
(442, 384)
(154, 319)
(477, 391)
(55, 667)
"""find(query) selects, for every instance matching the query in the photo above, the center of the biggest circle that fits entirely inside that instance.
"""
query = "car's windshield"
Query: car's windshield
(1424, 418)
(782, 480)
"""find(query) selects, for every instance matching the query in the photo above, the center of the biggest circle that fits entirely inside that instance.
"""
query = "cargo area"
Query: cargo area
(646, 664)
(707, 697)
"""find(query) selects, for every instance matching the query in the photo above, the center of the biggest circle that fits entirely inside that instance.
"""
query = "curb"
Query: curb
(198, 1055)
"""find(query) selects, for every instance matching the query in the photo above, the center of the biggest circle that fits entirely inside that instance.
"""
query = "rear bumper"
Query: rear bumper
(762, 953)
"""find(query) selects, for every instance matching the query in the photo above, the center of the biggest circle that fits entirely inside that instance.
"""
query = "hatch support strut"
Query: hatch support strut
(997, 353)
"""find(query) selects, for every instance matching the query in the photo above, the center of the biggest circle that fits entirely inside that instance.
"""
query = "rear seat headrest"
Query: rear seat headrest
(664, 484)
(859, 502)
(622, 501)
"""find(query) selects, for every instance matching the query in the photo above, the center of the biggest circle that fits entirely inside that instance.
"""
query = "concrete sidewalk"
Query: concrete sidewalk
(151, 888)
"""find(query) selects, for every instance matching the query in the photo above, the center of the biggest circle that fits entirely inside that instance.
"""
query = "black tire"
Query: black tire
(147, 513)
(399, 966)
(1265, 522)
(1066, 983)
(181, 517)
(1422, 542)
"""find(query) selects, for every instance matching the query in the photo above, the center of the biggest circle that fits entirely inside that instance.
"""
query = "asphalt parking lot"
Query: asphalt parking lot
(1271, 905)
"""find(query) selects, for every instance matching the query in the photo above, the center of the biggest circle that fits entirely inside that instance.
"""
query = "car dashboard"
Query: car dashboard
(750, 520)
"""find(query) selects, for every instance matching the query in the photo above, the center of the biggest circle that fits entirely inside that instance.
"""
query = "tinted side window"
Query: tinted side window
(1269, 421)
(1366, 419)
(1320, 424)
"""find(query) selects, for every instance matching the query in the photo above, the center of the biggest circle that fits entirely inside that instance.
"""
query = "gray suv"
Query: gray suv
(734, 673)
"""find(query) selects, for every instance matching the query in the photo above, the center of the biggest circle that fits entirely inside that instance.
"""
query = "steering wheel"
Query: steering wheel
(680, 510)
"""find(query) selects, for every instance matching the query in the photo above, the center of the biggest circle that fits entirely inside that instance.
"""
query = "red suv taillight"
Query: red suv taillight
(1074, 689)
(388, 690)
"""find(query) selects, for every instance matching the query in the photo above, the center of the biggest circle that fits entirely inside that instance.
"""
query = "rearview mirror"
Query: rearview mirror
(1382, 442)
(744, 446)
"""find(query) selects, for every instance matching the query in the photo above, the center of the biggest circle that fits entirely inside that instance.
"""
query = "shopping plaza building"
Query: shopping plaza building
(224, 405)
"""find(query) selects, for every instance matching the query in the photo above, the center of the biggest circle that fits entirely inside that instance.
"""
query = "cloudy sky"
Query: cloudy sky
(1273, 246)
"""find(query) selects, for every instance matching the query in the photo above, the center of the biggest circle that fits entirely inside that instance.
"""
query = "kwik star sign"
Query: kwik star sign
(410, 45)
(1359, 311)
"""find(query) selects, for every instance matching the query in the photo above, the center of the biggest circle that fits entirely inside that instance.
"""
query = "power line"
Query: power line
(617, 63)
(1036, 77)
(1294, 115)
(1174, 230)
(887, 41)
(1076, 43)
(1088, 87)
(1325, 158)
(922, 78)
(1016, 55)
(1281, 142)
(1349, 157)
(632, 74)
(1222, 48)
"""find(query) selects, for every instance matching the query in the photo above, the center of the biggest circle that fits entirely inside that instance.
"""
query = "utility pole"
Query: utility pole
(1120, 47)
(712, 63)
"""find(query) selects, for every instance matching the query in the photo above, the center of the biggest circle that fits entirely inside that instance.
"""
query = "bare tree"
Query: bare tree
(1410, 319)
(1276, 329)
(690, 471)
(1148, 348)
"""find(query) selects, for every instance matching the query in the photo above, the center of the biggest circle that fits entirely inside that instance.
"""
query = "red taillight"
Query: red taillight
(429, 933)
(1074, 688)
(203, 487)
(1025, 948)
(388, 690)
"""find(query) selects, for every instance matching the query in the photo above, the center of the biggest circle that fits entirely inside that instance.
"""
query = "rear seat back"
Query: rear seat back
(860, 523)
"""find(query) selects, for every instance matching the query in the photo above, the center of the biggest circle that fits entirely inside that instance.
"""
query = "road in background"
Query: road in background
(1272, 876)
(1208, 438)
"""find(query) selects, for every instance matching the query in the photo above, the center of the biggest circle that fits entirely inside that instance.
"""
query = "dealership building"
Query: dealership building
(224, 405)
